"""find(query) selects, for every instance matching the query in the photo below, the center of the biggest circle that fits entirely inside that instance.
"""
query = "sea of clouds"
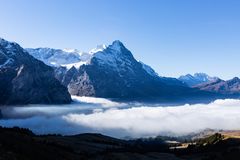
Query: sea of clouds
(121, 119)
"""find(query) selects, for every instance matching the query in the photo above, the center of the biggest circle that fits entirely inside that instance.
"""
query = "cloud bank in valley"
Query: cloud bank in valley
(133, 121)
(102, 101)
(150, 121)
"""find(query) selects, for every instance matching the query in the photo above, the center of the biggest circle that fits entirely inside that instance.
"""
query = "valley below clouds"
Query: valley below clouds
(122, 119)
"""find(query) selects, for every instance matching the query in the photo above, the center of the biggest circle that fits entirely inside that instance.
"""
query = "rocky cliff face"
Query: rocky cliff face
(26, 80)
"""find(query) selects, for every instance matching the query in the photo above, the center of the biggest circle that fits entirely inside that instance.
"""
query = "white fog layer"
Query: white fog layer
(111, 118)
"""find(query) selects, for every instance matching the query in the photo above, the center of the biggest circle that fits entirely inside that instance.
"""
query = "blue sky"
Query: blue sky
(175, 37)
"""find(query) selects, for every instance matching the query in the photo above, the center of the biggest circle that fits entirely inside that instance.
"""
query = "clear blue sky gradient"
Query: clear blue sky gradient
(175, 37)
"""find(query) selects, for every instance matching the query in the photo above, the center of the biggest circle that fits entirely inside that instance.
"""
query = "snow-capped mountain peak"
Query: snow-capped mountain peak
(115, 55)
(72, 57)
(11, 47)
(116, 45)
(202, 77)
(27, 80)
(196, 79)
(99, 48)
(8, 51)
(6, 43)
(70, 50)
(55, 57)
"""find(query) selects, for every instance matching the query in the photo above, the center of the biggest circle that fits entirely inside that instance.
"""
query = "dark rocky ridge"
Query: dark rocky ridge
(26, 80)
(229, 87)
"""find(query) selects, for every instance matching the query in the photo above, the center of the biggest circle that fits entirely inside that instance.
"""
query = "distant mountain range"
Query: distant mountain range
(110, 72)
(106, 71)
(197, 78)
(231, 86)
(204, 82)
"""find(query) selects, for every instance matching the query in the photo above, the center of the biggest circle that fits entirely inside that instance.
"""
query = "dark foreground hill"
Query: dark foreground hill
(213, 147)
(22, 144)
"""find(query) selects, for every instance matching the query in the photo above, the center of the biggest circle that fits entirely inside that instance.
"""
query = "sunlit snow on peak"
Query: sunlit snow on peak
(99, 48)
(71, 50)
(109, 55)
